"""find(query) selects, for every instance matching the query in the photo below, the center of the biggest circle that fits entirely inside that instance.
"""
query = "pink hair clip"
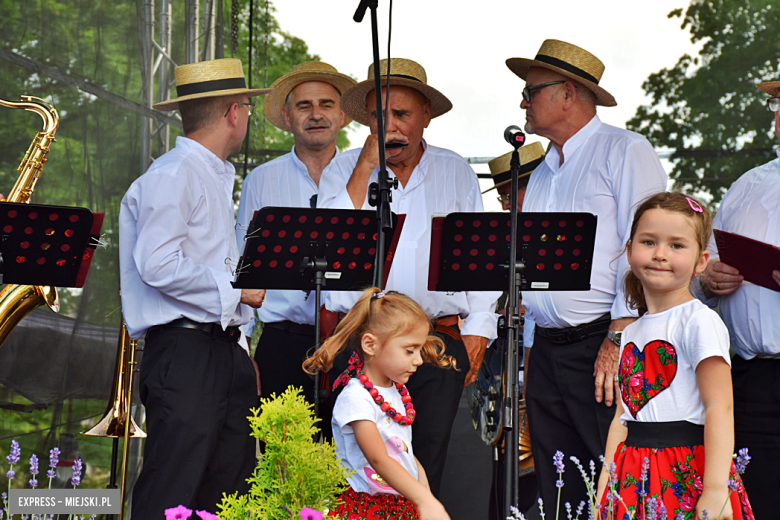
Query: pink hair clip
(695, 206)
(378, 295)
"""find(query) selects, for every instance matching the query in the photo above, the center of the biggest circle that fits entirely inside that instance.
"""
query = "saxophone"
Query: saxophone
(16, 301)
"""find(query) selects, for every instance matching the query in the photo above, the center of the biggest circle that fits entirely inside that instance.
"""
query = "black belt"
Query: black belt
(291, 326)
(215, 329)
(664, 434)
(569, 335)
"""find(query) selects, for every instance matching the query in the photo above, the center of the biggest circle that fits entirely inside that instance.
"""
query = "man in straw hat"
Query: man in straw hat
(594, 168)
(176, 230)
(306, 102)
(751, 208)
(431, 180)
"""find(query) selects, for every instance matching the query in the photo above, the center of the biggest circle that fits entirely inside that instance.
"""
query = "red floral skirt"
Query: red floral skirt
(359, 506)
(674, 480)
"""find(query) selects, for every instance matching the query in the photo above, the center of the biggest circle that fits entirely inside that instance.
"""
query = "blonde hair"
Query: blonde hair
(679, 203)
(386, 317)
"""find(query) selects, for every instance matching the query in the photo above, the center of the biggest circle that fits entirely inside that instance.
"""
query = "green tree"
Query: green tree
(707, 107)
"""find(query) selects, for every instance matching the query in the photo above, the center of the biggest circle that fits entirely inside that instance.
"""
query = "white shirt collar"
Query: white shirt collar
(219, 166)
(574, 143)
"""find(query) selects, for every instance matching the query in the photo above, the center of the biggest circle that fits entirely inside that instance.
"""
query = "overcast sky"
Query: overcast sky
(463, 47)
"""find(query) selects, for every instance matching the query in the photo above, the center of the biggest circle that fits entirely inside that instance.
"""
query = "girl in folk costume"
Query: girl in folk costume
(674, 380)
(389, 336)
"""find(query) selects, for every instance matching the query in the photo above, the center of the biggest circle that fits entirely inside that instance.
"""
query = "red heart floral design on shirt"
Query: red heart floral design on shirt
(646, 373)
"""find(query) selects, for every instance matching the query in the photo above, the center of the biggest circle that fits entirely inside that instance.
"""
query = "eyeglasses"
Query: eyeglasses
(505, 198)
(527, 90)
(773, 104)
(250, 107)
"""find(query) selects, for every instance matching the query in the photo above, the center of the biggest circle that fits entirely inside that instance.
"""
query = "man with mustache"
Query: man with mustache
(431, 180)
(307, 103)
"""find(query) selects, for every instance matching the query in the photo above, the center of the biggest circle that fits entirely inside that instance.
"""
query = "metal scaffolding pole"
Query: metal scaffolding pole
(192, 29)
(146, 28)
(164, 69)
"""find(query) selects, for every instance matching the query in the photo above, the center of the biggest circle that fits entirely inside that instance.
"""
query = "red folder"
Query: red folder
(755, 260)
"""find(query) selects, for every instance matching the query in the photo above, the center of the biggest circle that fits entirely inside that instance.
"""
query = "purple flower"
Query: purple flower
(10, 474)
(742, 460)
(77, 467)
(680, 516)
(650, 511)
(559, 483)
(308, 513)
(205, 515)
(34, 471)
(558, 461)
(662, 509)
(16, 452)
(705, 515)
(733, 484)
(568, 510)
(178, 513)
(580, 508)
(54, 457)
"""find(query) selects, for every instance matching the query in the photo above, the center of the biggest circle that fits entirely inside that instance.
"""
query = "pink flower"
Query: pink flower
(205, 515)
(628, 360)
(308, 513)
(688, 503)
(670, 351)
(178, 513)
(636, 380)
(697, 483)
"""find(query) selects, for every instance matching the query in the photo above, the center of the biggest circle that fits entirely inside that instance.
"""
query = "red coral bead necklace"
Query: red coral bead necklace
(391, 412)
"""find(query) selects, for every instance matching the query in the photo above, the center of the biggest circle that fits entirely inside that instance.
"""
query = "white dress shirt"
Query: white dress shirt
(442, 182)
(606, 171)
(176, 229)
(283, 182)
(751, 208)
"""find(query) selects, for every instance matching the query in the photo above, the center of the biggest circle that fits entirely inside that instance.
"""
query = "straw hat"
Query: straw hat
(213, 78)
(301, 73)
(405, 73)
(530, 156)
(770, 87)
(569, 60)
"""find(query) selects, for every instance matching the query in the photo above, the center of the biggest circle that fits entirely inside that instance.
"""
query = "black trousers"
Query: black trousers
(757, 427)
(279, 355)
(564, 415)
(280, 352)
(435, 395)
(197, 391)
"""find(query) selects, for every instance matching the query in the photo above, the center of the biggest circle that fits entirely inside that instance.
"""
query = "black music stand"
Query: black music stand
(471, 252)
(302, 248)
(47, 245)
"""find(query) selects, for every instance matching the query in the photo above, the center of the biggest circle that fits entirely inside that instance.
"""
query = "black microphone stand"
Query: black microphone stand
(512, 397)
(379, 194)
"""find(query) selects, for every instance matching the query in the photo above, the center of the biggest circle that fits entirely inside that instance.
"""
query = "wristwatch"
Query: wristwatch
(614, 336)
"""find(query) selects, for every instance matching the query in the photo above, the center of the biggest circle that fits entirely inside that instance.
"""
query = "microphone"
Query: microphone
(514, 136)
(361, 11)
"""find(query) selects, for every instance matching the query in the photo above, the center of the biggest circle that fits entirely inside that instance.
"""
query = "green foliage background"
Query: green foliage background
(707, 107)
(96, 155)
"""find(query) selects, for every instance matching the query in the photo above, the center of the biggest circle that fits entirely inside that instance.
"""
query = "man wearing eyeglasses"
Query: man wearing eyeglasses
(307, 103)
(751, 208)
(595, 168)
(176, 228)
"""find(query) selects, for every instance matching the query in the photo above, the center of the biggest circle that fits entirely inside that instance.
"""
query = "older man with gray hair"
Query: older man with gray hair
(594, 168)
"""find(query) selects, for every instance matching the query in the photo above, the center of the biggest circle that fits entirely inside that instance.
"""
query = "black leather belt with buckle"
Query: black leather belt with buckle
(569, 335)
(215, 329)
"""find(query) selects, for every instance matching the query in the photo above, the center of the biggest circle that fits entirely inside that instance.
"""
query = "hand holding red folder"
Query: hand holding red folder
(757, 262)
